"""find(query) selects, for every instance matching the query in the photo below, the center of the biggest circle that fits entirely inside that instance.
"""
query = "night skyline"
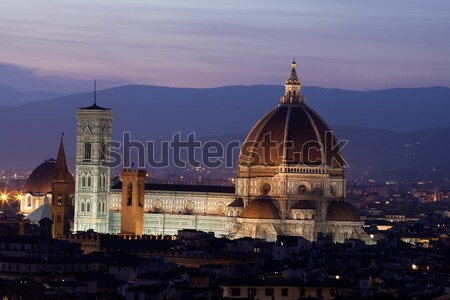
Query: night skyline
(224, 150)
(61, 47)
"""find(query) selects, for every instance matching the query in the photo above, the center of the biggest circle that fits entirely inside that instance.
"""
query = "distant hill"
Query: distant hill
(12, 97)
(387, 155)
(30, 132)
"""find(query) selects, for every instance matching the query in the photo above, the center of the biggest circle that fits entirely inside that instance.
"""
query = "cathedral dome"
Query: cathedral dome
(291, 133)
(40, 180)
(262, 208)
(342, 211)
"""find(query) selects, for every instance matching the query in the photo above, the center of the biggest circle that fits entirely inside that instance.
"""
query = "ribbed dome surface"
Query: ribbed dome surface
(296, 135)
(342, 211)
(40, 180)
(262, 208)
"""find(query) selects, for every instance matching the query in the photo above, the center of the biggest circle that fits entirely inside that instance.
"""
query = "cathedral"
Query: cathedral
(290, 181)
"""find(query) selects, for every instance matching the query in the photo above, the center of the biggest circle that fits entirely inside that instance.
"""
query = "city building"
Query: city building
(50, 191)
(290, 181)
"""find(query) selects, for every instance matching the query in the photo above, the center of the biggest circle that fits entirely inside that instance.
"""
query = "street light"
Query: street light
(4, 197)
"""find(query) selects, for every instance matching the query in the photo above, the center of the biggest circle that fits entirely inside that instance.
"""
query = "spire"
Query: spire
(61, 170)
(293, 78)
(95, 106)
(292, 88)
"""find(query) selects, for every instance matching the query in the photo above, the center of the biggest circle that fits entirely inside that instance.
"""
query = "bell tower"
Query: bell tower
(133, 189)
(62, 193)
(92, 183)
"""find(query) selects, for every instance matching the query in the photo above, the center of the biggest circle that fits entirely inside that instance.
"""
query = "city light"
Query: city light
(194, 189)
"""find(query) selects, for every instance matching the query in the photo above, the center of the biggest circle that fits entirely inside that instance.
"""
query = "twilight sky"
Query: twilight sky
(62, 45)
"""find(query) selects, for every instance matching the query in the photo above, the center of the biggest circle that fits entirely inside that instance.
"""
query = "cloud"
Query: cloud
(354, 44)
(33, 79)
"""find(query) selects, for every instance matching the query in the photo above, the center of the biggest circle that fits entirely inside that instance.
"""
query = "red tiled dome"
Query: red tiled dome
(40, 180)
(342, 211)
(291, 133)
(262, 208)
(297, 134)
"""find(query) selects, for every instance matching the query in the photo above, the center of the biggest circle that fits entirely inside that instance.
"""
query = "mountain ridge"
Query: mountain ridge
(31, 131)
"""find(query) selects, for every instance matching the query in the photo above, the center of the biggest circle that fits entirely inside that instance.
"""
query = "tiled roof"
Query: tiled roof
(182, 188)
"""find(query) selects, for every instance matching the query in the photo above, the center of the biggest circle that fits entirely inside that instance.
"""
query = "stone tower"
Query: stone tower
(62, 193)
(133, 189)
(92, 182)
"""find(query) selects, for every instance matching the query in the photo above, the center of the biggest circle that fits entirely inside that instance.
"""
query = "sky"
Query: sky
(63, 45)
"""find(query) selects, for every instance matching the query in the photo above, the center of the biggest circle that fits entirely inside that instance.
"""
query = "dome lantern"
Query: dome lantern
(292, 88)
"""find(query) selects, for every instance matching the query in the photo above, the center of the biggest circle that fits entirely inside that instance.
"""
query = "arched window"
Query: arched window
(88, 206)
(334, 189)
(103, 151)
(89, 181)
(302, 189)
(82, 206)
(60, 200)
(83, 181)
(87, 150)
(28, 201)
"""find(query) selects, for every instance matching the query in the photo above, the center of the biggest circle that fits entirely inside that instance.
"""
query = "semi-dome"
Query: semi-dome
(261, 208)
(342, 211)
(40, 180)
(291, 133)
